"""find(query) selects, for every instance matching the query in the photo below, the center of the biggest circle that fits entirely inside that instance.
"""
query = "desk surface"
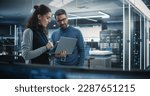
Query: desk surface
(17, 71)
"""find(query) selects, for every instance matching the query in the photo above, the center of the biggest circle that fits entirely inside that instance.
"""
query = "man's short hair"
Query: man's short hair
(60, 12)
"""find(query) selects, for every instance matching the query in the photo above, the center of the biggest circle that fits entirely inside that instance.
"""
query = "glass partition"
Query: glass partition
(135, 38)
(101, 24)
(114, 31)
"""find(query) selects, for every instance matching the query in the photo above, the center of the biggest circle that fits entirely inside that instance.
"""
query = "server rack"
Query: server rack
(112, 40)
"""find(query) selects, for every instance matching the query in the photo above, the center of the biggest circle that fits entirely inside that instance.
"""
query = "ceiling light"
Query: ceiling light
(85, 17)
(104, 15)
(78, 17)
(93, 15)
(59, 3)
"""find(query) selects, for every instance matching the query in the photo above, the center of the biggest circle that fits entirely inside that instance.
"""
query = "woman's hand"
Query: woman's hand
(49, 45)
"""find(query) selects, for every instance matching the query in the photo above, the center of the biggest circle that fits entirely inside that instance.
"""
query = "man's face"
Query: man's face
(62, 21)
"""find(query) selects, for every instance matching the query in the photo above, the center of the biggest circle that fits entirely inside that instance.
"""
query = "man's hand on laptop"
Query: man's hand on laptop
(61, 54)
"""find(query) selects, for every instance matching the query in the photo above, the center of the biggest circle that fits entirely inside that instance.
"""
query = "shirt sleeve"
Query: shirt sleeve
(26, 46)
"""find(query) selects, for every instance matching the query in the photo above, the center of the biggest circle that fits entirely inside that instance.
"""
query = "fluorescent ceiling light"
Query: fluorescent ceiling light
(104, 15)
(59, 3)
(77, 17)
(99, 14)
(85, 17)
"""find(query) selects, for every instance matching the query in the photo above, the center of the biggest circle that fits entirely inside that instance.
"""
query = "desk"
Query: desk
(39, 71)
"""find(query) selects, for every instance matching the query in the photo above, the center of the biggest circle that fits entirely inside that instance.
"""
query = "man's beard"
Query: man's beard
(64, 26)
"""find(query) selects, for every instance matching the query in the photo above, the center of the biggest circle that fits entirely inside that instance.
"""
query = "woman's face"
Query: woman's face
(44, 19)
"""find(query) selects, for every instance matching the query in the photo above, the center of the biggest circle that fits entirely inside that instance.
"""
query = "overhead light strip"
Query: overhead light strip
(59, 3)
(101, 14)
(81, 17)
(85, 17)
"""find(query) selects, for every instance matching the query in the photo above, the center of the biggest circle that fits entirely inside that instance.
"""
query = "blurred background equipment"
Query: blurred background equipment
(111, 40)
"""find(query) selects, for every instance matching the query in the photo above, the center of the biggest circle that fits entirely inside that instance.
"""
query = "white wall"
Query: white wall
(90, 33)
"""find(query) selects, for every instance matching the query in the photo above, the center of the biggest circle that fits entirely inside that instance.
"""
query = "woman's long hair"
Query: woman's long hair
(33, 22)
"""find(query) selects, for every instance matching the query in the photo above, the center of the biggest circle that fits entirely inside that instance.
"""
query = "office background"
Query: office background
(116, 32)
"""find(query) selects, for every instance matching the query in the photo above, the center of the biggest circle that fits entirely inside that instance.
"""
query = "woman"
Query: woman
(35, 45)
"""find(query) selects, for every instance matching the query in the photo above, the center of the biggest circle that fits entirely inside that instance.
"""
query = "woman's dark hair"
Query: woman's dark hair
(60, 12)
(33, 21)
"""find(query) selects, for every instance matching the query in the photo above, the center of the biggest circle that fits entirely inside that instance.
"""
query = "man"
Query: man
(65, 30)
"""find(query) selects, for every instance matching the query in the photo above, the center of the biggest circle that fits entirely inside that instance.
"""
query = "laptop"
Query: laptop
(66, 44)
